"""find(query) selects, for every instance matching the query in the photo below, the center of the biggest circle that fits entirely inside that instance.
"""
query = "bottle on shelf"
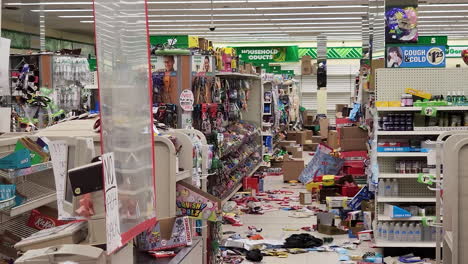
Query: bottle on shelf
(381, 189)
(418, 232)
(394, 187)
(449, 97)
(385, 231)
(410, 232)
(388, 188)
(379, 230)
(397, 232)
(404, 232)
(391, 232)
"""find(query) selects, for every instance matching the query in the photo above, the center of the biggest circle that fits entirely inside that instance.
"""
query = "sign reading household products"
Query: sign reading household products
(415, 56)
(277, 54)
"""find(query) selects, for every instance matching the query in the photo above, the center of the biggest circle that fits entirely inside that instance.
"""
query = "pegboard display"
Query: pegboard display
(391, 83)
(412, 188)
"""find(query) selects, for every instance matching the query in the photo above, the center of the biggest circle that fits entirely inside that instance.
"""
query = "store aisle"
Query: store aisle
(274, 222)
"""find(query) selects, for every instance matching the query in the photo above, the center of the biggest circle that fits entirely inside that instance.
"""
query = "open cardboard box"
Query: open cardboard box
(292, 168)
(166, 234)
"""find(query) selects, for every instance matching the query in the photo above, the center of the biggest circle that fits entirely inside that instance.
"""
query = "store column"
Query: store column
(122, 51)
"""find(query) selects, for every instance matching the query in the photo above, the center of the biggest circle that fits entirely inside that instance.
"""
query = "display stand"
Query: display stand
(167, 175)
(436, 81)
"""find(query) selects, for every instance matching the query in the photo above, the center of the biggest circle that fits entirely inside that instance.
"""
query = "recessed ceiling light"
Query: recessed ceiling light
(76, 16)
(62, 10)
(48, 3)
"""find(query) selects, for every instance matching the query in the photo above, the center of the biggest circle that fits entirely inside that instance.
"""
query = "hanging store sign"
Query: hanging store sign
(268, 54)
(416, 57)
(334, 52)
(455, 51)
(186, 100)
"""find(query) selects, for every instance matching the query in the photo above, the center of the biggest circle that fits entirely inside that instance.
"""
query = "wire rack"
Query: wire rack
(18, 226)
(36, 195)
(26, 171)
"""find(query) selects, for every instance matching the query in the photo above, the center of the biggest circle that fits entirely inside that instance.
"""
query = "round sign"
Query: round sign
(435, 56)
(186, 100)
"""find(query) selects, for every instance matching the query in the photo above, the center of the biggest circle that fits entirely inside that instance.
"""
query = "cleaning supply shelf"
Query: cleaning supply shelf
(413, 218)
(402, 154)
(36, 195)
(399, 175)
(437, 131)
(383, 199)
(408, 244)
(26, 171)
(415, 108)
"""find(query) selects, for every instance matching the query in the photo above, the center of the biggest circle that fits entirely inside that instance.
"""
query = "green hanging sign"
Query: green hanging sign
(267, 54)
(334, 52)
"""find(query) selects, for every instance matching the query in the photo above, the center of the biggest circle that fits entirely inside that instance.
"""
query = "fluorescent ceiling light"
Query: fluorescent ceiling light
(61, 10)
(255, 8)
(263, 14)
(87, 21)
(48, 3)
(337, 24)
(441, 5)
(441, 11)
(76, 16)
(259, 19)
(238, 1)
(443, 17)
(162, 27)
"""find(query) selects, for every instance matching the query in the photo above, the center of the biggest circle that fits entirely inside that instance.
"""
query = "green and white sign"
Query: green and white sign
(258, 55)
(334, 52)
(455, 51)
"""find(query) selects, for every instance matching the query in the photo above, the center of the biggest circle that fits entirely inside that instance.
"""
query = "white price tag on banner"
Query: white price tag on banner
(59, 154)
(114, 240)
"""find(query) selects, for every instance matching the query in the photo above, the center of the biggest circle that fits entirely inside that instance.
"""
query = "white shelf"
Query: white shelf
(234, 191)
(406, 109)
(36, 195)
(26, 171)
(397, 199)
(182, 175)
(267, 114)
(401, 244)
(413, 218)
(402, 154)
(397, 176)
(448, 237)
(435, 131)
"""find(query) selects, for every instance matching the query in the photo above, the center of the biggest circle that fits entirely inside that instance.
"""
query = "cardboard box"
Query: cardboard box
(353, 138)
(317, 139)
(296, 152)
(341, 108)
(286, 143)
(305, 198)
(324, 127)
(292, 169)
(333, 139)
(328, 192)
(306, 65)
(365, 235)
(310, 147)
(298, 136)
(166, 234)
(337, 202)
(309, 135)
(308, 117)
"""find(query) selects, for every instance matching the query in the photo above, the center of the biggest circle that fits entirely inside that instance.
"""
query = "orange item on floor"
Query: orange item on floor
(256, 237)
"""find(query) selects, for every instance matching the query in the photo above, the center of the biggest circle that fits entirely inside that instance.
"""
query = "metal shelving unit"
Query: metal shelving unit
(436, 81)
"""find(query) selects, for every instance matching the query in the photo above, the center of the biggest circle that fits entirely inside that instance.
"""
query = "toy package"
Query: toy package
(166, 234)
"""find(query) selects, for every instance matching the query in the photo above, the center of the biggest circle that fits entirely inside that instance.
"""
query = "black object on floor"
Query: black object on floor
(254, 255)
(302, 241)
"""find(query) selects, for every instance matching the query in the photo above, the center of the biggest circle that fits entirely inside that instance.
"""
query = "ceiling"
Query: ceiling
(243, 20)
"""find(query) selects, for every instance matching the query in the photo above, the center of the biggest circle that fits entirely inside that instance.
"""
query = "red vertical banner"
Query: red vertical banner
(123, 60)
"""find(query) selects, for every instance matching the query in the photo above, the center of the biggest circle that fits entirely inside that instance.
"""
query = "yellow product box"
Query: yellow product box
(418, 93)
(328, 180)
(193, 42)
(394, 104)
(381, 104)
